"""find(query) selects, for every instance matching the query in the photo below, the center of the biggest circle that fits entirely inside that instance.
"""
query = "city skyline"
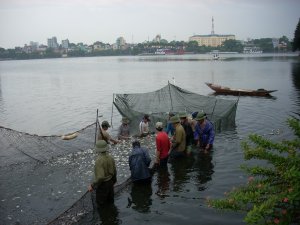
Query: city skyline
(22, 21)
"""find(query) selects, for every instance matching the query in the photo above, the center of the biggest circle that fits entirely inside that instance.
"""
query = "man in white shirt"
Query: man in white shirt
(144, 126)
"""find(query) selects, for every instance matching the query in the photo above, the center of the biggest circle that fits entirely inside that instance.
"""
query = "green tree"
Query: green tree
(272, 194)
(265, 44)
(296, 41)
(232, 46)
(192, 46)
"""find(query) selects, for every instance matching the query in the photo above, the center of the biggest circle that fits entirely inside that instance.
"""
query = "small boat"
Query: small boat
(230, 91)
(216, 56)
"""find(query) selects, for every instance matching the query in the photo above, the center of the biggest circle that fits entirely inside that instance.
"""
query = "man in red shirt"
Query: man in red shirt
(162, 145)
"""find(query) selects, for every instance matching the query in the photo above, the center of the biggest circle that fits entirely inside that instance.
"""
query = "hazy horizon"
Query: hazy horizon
(88, 21)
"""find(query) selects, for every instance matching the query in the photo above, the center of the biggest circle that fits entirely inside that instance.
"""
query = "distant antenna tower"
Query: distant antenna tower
(212, 26)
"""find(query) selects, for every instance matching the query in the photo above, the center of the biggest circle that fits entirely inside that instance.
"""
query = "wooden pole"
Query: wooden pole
(96, 128)
(112, 110)
(170, 96)
(214, 109)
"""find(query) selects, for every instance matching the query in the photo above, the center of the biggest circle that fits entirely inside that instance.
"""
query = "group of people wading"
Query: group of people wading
(174, 140)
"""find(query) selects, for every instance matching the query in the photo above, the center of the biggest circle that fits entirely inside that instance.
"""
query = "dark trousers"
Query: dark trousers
(105, 193)
(163, 162)
(175, 154)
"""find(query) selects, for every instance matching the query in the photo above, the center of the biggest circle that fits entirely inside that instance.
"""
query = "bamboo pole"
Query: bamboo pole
(170, 96)
(112, 110)
(96, 128)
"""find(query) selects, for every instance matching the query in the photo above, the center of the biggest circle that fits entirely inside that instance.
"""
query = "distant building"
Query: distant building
(252, 50)
(121, 43)
(27, 49)
(34, 46)
(99, 46)
(157, 38)
(212, 40)
(65, 44)
(52, 43)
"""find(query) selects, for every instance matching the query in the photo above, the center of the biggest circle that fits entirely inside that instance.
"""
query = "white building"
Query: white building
(65, 44)
(121, 43)
(34, 46)
(52, 43)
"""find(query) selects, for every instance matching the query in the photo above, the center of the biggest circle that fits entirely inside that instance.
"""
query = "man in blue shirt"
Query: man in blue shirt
(204, 132)
(170, 129)
(139, 162)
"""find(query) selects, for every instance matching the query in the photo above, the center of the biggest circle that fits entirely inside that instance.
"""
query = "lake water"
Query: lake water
(58, 96)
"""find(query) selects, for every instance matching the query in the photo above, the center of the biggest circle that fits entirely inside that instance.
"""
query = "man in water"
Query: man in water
(170, 129)
(124, 132)
(105, 175)
(144, 126)
(139, 162)
(104, 135)
(178, 142)
(162, 145)
(204, 132)
(189, 134)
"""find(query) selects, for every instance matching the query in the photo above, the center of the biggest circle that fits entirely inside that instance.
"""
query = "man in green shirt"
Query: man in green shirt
(105, 175)
(178, 141)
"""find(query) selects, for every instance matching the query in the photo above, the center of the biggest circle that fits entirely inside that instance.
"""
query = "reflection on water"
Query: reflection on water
(140, 197)
(296, 76)
(295, 73)
(180, 170)
(109, 214)
(204, 168)
(162, 182)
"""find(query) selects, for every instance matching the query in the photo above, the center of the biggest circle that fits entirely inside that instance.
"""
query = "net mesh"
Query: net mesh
(43, 176)
(174, 99)
(19, 147)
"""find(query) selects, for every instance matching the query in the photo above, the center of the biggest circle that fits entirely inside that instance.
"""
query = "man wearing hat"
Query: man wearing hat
(144, 126)
(105, 175)
(178, 142)
(124, 130)
(188, 130)
(204, 132)
(104, 135)
(162, 145)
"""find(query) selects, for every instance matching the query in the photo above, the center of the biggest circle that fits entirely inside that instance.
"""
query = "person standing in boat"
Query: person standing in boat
(204, 132)
(105, 175)
(124, 130)
(104, 135)
(144, 126)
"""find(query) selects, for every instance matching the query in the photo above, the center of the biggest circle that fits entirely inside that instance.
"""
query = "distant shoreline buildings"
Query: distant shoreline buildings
(158, 46)
(212, 40)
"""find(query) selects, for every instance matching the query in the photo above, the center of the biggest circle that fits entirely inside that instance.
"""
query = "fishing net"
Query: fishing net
(19, 147)
(174, 99)
(45, 178)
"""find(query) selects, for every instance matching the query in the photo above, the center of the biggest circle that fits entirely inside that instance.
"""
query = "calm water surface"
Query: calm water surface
(57, 96)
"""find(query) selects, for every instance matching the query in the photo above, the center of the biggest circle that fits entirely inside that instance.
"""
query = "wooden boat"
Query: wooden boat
(230, 91)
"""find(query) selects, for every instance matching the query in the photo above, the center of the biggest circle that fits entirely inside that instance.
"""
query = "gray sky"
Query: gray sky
(88, 21)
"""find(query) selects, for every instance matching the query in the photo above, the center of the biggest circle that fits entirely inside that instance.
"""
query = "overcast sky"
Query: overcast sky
(88, 21)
